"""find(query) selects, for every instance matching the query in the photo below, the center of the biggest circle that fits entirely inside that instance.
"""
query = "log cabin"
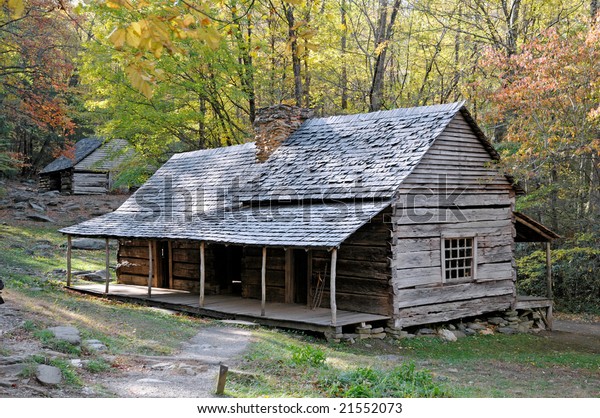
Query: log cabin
(397, 218)
(91, 171)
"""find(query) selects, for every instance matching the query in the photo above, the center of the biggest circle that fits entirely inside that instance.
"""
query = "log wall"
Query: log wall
(363, 270)
(90, 182)
(453, 192)
(132, 258)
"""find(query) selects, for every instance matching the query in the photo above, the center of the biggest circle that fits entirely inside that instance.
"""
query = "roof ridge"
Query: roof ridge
(389, 113)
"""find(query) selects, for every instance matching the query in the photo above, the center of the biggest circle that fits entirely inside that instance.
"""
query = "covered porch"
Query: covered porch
(529, 230)
(191, 265)
(284, 315)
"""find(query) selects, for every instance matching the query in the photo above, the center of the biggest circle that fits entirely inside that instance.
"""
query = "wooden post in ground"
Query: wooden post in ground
(150, 268)
(549, 291)
(221, 379)
(263, 282)
(69, 245)
(202, 274)
(107, 249)
(332, 302)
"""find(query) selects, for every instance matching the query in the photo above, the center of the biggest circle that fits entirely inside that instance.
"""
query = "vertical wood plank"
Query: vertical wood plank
(332, 302)
(107, 266)
(549, 290)
(263, 282)
(150, 268)
(202, 274)
(69, 250)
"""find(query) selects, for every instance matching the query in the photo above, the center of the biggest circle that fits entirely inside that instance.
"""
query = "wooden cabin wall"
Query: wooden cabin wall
(66, 181)
(132, 258)
(275, 274)
(90, 182)
(453, 192)
(132, 262)
(363, 270)
(49, 181)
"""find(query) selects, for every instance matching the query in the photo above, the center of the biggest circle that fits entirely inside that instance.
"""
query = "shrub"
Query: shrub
(307, 355)
(400, 382)
(575, 276)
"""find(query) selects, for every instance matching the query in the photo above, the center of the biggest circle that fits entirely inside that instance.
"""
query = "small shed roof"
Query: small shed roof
(107, 157)
(530, 230)
(83, 148)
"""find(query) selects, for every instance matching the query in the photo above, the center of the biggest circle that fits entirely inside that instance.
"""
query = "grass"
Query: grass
(123, 328)
(522, 349)
(285, 364)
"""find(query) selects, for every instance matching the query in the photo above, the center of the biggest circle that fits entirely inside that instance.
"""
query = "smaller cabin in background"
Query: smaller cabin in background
(92, 171)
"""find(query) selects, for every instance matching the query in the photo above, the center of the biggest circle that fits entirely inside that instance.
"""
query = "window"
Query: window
(458, 258)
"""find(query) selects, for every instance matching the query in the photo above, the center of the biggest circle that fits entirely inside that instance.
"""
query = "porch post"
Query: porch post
(202, 274)
(263, 282)
(549, 291)
(332, 302)
(107, 249)
(150, 268)
(69, 245)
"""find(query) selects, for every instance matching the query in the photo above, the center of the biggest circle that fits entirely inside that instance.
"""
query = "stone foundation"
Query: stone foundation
(509, 322)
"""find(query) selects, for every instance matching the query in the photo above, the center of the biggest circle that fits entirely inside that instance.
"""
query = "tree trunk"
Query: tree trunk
(296, 64)
(343, 44)
(594, 8)
(385, 30)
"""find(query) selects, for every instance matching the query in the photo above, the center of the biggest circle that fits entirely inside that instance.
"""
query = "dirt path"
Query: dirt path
(578, 327)
(189, 374)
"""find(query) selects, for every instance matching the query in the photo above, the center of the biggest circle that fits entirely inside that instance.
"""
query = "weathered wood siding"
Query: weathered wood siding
(363, 269)
(90, 182)
(251, 273)
(453, 192)
(93, 174)
(132, 258)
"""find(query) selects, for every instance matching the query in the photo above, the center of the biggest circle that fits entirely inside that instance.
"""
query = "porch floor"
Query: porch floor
(532, 302)
(282, 315)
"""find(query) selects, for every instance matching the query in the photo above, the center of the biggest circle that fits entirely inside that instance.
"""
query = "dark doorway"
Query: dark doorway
(300, 276)
(228, 268)
(163, 262)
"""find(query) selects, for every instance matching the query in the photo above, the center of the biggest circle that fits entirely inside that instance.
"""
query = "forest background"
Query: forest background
(178, 76)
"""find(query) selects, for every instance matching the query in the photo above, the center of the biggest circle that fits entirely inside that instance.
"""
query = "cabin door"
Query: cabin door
(228, 268)
(163, 261)
(296, 276)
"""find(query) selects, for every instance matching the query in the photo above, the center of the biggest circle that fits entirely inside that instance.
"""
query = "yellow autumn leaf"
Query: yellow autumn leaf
(117, 37)
(132, 38)
(308, 34)
(299, 24)
(17, 7)
(312, 46)
(210, 36)
(294, 2)
(157, 50)
(136, 27)
(188, 20)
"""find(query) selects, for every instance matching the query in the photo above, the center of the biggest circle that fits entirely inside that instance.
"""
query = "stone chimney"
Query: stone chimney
(273, 124)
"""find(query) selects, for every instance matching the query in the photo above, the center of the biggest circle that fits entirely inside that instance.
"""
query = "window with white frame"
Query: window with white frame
(458, 258)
